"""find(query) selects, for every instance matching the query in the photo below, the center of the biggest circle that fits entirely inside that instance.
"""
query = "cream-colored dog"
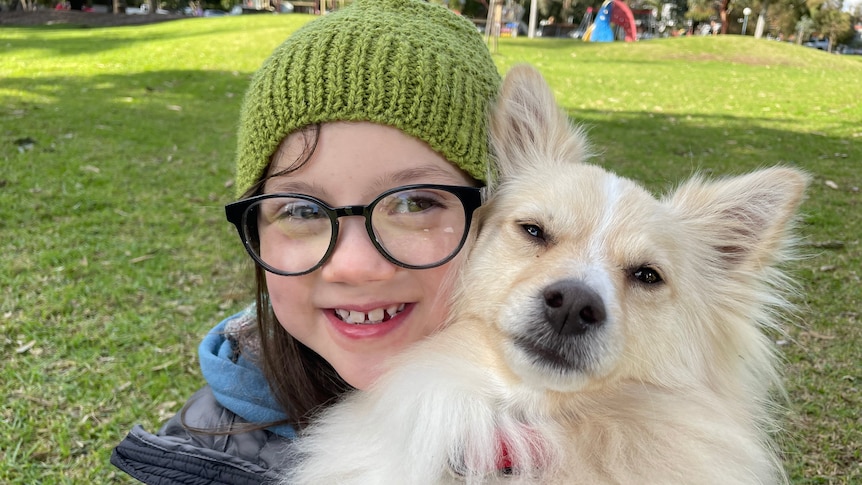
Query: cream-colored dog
(599, 335)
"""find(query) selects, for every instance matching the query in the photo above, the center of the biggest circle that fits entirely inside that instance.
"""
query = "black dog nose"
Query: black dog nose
(572, 307)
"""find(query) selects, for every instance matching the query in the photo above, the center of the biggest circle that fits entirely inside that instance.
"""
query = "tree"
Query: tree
(559, 9)
(784, 16)
(803, 27)
(698, 7)
(831, 21)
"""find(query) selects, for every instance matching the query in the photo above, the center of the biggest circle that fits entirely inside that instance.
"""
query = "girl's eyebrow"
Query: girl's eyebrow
(427, 173)
(289, 185)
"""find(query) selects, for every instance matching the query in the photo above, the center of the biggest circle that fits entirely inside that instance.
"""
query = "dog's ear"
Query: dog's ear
(744, 220)
(528, 128)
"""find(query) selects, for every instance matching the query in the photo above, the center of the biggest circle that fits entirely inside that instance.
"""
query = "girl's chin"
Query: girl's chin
(363, 379)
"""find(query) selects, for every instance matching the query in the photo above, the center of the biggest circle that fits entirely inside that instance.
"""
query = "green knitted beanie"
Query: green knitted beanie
(404, 63)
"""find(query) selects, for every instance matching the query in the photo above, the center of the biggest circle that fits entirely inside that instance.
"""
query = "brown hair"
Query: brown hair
(300, 380)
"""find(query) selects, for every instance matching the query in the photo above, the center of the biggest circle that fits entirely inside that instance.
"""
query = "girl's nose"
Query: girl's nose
(355, 259)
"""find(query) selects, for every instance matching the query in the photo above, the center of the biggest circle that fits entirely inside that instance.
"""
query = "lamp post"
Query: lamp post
(746, 12)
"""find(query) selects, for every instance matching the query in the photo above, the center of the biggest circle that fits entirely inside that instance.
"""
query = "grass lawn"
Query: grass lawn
(116, 148)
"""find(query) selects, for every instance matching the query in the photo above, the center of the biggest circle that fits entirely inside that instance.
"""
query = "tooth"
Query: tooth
(342, 314)
(375, 316)
(391, 311)
(356, 317)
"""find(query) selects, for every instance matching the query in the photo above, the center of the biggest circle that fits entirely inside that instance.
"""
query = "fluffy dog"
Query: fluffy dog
(599, 335)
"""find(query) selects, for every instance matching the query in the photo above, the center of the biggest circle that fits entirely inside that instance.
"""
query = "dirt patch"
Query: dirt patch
(750, 60)
(82, 19)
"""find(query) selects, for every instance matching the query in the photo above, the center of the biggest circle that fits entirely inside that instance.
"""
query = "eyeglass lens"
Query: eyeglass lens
(415, 227)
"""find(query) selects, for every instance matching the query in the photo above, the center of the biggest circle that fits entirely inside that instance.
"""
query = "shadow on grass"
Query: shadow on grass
(154, 108)
(122, 166)
(115, 167)
(640, 144)
(110, 119)
(78, 45)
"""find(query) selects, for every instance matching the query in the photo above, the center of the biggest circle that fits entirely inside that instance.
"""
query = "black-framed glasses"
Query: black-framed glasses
(415, 226)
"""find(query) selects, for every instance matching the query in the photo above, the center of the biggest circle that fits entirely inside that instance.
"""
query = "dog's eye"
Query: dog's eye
(534, 231)
(647, 275)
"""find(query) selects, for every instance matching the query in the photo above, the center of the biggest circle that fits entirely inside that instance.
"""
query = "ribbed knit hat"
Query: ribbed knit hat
(404, 63)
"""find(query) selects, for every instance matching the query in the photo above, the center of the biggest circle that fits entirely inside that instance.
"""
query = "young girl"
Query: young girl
(362, 142)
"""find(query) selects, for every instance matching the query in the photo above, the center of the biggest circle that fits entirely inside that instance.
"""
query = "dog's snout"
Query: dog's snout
(572, 307)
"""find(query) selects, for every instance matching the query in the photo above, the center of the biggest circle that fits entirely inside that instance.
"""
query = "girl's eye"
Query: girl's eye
(290, 212)
(534, 231)
(411, 203)
(300, 211)
(647, 275)
(418, 205)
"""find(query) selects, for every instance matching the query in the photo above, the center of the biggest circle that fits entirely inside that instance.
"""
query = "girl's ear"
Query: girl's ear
(528, 129)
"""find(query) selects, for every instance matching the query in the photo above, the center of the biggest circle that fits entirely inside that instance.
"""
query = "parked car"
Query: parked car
(211, 12)
(144, 10)
(285, 7)
(849, 50)
(822, 44)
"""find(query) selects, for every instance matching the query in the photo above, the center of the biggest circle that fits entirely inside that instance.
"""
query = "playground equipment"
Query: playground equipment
(612, 12)
(586, 22)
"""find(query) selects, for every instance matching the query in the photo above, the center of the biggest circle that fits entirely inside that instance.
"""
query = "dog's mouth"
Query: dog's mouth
(543, 354)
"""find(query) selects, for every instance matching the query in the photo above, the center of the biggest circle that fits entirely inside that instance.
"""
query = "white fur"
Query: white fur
(673, 387)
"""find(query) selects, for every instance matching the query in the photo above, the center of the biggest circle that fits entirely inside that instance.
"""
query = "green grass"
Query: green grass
(115, 258)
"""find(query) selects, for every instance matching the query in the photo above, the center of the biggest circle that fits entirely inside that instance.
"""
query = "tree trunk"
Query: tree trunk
(761, 21)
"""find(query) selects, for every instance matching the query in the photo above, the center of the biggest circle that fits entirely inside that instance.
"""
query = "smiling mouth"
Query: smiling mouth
(378, 315)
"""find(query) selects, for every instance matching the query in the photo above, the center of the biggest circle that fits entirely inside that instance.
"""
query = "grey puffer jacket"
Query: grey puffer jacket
(175, 455)
(237, 394)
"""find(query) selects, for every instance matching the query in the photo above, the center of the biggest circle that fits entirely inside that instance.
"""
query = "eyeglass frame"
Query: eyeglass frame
(237, 212)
